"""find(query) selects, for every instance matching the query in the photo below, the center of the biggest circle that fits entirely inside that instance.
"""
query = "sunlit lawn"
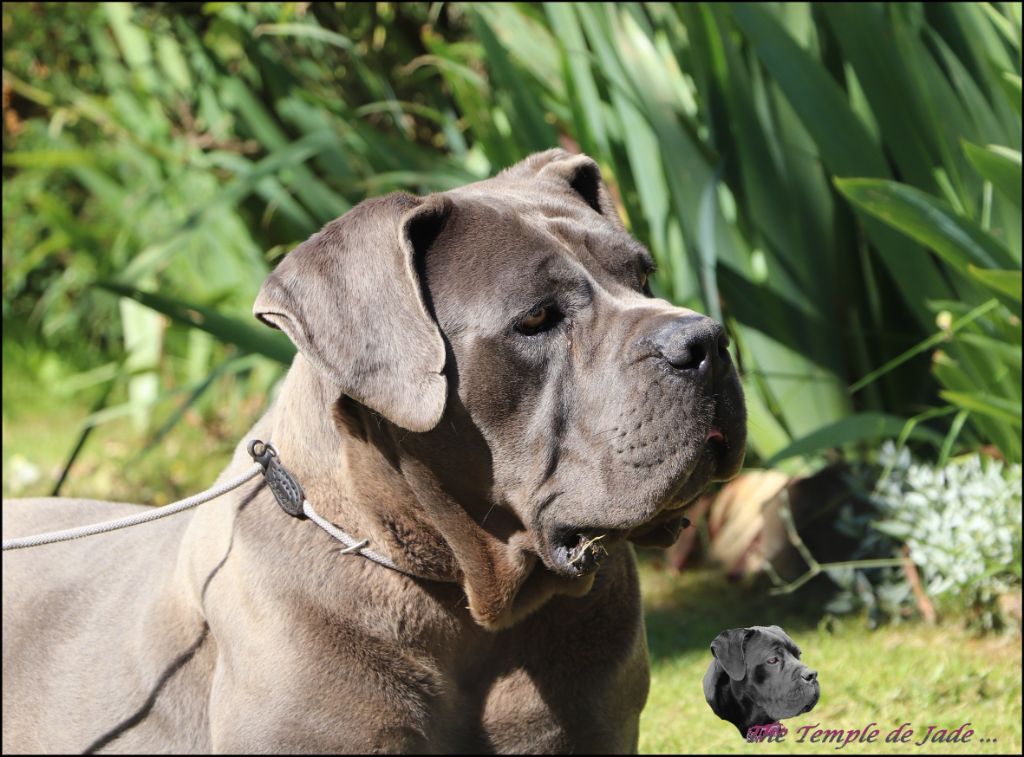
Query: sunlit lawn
(912, 673)
(909, 673)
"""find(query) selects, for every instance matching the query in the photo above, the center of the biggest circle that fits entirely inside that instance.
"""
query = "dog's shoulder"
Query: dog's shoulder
(102, 560)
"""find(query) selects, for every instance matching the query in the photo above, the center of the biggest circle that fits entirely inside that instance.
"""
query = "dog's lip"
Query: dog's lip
(692, 483)
(661, 531)
(814, 700)
(816, 687)
(726, 444)
(560, 544)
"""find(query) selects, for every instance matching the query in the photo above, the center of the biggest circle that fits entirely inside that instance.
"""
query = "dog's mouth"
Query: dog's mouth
(577, 550)
(810, 692)
(726, 455)
(813, 701)
(715, 435)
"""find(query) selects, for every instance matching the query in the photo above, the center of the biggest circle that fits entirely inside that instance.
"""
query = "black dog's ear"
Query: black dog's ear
(728, 649)
(577, 173)
(710, 684)
(350, 299)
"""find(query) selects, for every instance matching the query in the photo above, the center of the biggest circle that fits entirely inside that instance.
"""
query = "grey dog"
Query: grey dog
(486, 390)
(757, 678)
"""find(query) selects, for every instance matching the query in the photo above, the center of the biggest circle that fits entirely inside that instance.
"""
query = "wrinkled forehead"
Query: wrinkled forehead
(770, 640)
(506, 237)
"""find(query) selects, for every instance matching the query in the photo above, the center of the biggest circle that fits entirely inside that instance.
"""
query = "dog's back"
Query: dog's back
(73, 619)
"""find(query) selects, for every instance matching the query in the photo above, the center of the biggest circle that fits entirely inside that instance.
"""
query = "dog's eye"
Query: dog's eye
(541, 319)
(645, 282)
(772, 660)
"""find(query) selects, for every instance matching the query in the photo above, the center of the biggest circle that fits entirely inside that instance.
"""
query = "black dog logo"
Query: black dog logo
(757, 679)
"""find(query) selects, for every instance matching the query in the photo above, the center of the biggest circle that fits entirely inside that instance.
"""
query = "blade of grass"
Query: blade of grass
(994, 407)
(179, 412)
(933, 341)
(83, 436)
(954, 432)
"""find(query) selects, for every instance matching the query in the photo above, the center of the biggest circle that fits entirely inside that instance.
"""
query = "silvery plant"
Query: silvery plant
(961, 522)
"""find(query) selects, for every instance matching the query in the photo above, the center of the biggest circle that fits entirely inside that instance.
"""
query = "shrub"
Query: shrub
(961, 523)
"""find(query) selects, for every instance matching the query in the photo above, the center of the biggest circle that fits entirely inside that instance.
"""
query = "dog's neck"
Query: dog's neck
(381, 483)
(350, 482)
(732, 703)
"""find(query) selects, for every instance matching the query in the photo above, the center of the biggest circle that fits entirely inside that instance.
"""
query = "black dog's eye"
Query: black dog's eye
(772, 660)
(541, 319)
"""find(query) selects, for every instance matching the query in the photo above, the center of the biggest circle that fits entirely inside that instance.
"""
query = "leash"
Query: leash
(286, 489)
(290, 497)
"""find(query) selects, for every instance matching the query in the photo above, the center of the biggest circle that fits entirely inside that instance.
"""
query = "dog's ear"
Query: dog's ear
(351, 300)
(532, 164)
(728, 649)
(710, 684)
(578, 173)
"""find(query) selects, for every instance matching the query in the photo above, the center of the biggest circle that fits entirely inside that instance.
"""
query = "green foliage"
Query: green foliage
(840, 185)
(727, 129)
(180, 151)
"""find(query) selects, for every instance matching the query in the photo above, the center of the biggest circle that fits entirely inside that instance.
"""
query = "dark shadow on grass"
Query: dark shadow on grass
(702, 603)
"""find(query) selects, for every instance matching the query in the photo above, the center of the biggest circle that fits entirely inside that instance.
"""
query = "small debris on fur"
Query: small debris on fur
(588, 552)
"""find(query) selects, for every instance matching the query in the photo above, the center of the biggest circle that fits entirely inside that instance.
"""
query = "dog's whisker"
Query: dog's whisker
(489, 510)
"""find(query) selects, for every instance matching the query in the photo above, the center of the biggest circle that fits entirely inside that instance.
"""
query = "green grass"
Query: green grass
(911, 672)
(923, 674)
(41, 427)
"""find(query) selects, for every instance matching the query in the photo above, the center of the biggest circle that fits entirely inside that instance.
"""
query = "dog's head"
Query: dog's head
(509, 322)
(757, 677)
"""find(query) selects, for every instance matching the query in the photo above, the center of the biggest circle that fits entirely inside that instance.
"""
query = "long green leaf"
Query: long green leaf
(1005, 282)
(994, 407)
(862, 427)
(932, 341)
(1000, 165)
(247, 337)
(842, 139)
(577, 61)
(304, 30)
(928, 220)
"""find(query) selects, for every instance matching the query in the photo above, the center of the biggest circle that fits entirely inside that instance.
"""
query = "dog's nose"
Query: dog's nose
(809, 675)
(694, 344)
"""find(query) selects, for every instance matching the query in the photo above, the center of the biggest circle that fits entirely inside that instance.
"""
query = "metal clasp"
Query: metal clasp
(286, 489)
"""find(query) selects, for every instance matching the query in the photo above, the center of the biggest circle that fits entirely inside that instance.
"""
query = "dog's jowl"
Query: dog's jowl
(487, 392)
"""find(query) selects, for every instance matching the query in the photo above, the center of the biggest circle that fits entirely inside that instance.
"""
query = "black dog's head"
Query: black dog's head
(757, 677)
(509, 324)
